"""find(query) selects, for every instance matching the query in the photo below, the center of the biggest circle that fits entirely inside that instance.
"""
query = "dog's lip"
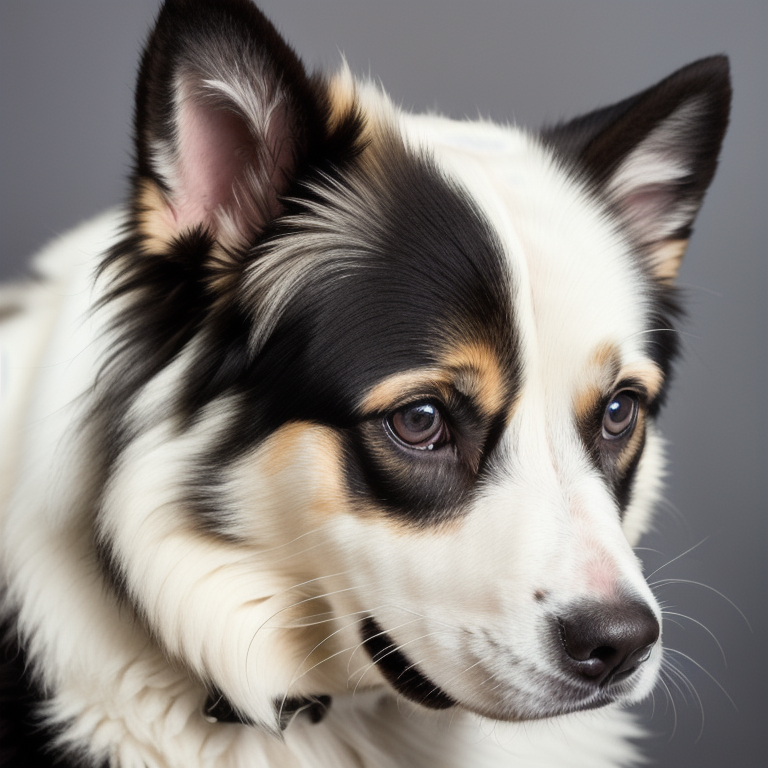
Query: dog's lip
(401, 673)
(409, 681)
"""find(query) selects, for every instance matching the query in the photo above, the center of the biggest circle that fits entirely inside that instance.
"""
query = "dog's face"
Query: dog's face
(383, 406)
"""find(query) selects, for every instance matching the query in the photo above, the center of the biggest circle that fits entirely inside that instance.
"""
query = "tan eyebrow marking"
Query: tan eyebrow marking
(647, 373)
(470, 368)
(605, 372)
(476, 372)
(603, 368)
(400, 388)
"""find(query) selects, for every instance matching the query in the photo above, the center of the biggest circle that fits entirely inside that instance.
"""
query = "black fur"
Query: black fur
(25, 740)
(399, 670)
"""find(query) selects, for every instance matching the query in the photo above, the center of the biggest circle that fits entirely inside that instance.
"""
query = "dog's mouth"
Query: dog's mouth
(408, 680)
(399, 671)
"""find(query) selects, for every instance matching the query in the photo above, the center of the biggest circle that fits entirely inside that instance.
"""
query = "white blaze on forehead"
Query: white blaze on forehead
(576, 285)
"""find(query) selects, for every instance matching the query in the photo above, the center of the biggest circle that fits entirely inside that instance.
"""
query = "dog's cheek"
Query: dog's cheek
(287, 487)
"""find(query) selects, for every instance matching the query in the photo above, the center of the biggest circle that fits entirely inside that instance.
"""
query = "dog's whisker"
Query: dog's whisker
(430, 619)
(653, 704)
(303, 601)
(672, 508)
(437, 688)
(290, 607)
(677, 680)
(667, 582)
(397, 648)
(363, 670)
(293, 555)
(703, 626)
(674, 671)
(675, 559)
(362, 644)
(671, 702)
(312, 621)
(706, 672)
(356, 615)
(297, 676)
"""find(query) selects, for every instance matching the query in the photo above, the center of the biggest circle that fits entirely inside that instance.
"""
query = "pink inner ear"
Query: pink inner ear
(650, 212)
(222, 165)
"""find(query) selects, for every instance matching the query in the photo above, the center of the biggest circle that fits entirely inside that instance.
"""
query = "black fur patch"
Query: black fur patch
(24, 738)
(430, 275)
(399, 671)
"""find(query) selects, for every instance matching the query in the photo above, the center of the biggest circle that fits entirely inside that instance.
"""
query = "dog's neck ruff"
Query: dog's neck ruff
(395, 666)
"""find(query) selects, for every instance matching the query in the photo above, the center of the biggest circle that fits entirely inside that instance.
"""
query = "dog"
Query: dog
(331, 447)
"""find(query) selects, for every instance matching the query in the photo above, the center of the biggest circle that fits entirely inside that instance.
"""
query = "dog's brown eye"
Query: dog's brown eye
(620, 415)
(419, 426)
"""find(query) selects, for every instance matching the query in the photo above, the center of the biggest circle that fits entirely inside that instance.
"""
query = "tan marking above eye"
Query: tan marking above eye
(602, 369)
(476, 372)
(605, 373)
(403, 388)
(607, 358)
(647, 373)
(471, 369)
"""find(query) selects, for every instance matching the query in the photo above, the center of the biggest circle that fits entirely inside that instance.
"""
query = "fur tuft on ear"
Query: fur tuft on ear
(225, 112)
(652, 156)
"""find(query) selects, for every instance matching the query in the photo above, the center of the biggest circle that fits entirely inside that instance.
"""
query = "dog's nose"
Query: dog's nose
(606, 643)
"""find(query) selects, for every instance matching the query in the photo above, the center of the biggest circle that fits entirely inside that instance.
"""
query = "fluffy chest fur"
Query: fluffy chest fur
(330, 448)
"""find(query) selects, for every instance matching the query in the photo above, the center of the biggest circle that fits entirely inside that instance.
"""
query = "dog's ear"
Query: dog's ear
(652, 156)
(225, 117)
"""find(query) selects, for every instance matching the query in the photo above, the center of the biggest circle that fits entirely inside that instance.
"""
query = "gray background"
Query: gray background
(67, 71)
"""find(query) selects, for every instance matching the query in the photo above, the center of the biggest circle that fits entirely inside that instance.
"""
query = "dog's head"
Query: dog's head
(381, 407)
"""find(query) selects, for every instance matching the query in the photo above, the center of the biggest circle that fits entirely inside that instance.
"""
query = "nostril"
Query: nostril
(607, 643)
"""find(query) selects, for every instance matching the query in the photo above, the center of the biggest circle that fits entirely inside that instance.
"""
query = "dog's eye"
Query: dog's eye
(419, 426)
(620, 414)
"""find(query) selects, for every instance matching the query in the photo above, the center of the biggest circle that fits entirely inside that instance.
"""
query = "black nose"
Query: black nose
(605, 643)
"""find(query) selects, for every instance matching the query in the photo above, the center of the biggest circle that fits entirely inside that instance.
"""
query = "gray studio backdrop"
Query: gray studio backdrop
(67, 70)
